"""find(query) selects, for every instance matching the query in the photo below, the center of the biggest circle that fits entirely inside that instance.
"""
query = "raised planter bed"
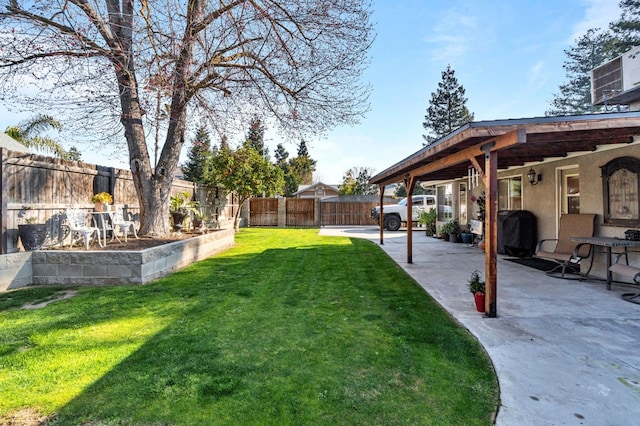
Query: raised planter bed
(80, 267)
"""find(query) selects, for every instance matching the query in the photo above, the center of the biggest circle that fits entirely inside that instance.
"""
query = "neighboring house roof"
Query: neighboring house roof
(536, 139)
(305, 188)
(8, 142)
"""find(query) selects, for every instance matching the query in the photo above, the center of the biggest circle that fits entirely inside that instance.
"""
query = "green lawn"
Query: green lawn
(286, 328)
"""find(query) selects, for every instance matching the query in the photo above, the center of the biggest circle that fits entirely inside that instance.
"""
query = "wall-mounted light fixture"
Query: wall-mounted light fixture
(533, 177)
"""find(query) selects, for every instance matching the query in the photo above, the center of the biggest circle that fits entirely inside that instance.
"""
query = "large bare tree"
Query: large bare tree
(155, 65)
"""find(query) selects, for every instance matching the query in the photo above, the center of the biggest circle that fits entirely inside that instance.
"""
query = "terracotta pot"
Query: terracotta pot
(481, 245)
(479, 299)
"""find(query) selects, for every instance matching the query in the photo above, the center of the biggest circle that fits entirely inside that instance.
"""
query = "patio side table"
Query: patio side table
(609, 243)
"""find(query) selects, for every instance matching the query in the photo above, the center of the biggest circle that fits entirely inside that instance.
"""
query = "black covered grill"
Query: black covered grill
(516, 233)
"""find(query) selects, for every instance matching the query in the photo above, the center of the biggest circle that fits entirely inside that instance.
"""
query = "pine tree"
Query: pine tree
(255, 137)
(590, 51)
(447, 108)
(303, 165)
(197, 157)
(281, 155)
(627, 29)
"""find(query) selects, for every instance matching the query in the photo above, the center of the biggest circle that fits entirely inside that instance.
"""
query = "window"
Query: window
(572, 196)
(510, 193)
(620, 189)
(445, 202)
(462, 202)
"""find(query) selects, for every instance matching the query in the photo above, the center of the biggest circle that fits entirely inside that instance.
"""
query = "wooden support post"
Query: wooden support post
(409, 184)
(491, 231)
(3, 205)
(380, 218)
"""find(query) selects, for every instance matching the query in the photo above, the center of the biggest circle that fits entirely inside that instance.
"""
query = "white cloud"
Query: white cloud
(537, 76)
(451, 36)
(597, 14)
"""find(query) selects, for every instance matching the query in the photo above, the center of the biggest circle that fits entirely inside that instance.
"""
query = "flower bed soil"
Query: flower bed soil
(132, 244)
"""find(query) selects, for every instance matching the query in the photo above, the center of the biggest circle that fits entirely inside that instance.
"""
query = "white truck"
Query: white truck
(395, 215)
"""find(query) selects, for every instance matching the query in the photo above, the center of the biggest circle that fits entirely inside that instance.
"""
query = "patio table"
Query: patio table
(609, 243)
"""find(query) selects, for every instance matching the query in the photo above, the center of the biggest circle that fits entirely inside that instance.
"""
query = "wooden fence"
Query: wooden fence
(349, 213)
(301, 212)
(263, 212)
(41, 187)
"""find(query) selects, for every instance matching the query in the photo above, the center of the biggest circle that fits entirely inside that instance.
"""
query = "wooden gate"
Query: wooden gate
(346, 213)
(301, 211)
(263, 212)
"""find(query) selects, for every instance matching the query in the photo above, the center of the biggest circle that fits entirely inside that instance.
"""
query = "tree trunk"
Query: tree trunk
(153, 182)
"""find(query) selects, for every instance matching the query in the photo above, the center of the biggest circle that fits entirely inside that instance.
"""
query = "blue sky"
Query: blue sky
(508, 55)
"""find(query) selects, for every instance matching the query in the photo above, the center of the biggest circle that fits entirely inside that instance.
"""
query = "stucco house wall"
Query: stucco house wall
(542, 199)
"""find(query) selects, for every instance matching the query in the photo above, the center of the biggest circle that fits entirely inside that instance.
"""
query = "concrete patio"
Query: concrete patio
(566, 352)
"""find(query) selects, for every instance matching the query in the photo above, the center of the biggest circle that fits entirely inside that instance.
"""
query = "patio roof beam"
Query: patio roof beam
(501, 142)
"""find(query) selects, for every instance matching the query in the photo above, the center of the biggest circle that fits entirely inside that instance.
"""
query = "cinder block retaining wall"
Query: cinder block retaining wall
(108, 267)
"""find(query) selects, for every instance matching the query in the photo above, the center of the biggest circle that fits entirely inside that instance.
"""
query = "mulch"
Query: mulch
(132, 244)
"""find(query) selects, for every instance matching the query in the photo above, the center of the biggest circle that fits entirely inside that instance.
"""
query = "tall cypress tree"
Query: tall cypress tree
(303, 165)
(197, 156)
(255, 137)
(447, 108)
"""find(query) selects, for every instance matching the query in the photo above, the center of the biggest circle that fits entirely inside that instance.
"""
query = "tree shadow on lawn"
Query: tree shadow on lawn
(323, 333)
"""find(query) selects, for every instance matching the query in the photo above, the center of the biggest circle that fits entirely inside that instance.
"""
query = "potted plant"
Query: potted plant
(428, 219)
(101, 201)
(452, 229)
(476, 287)
(466, 235)
(180, 207)
(32, 234)
(199, 217)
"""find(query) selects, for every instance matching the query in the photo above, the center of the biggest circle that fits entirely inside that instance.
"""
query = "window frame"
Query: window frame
(510, 199)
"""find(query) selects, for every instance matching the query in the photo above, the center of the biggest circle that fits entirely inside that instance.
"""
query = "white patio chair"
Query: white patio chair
(119, 222)
(77, 220)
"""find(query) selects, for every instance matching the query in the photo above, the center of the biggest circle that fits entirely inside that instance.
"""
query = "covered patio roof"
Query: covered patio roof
(544, 138)
(489, 146)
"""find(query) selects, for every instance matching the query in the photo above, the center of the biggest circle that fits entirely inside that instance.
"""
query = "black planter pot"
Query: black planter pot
(32, 235)
(178, 219)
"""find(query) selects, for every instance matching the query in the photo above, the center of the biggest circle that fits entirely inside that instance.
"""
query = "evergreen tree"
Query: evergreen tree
(74, 154)
(303, 165)
(447, 108)
(627, 29)
(356, 182)
(198, 156)
(255, 137)
(590, 51)
(291, 179)
(401, 191)
(281, 155)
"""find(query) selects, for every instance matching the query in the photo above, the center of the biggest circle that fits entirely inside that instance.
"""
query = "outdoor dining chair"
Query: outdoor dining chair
(77, 221)
(567, 253)
(118, 221)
